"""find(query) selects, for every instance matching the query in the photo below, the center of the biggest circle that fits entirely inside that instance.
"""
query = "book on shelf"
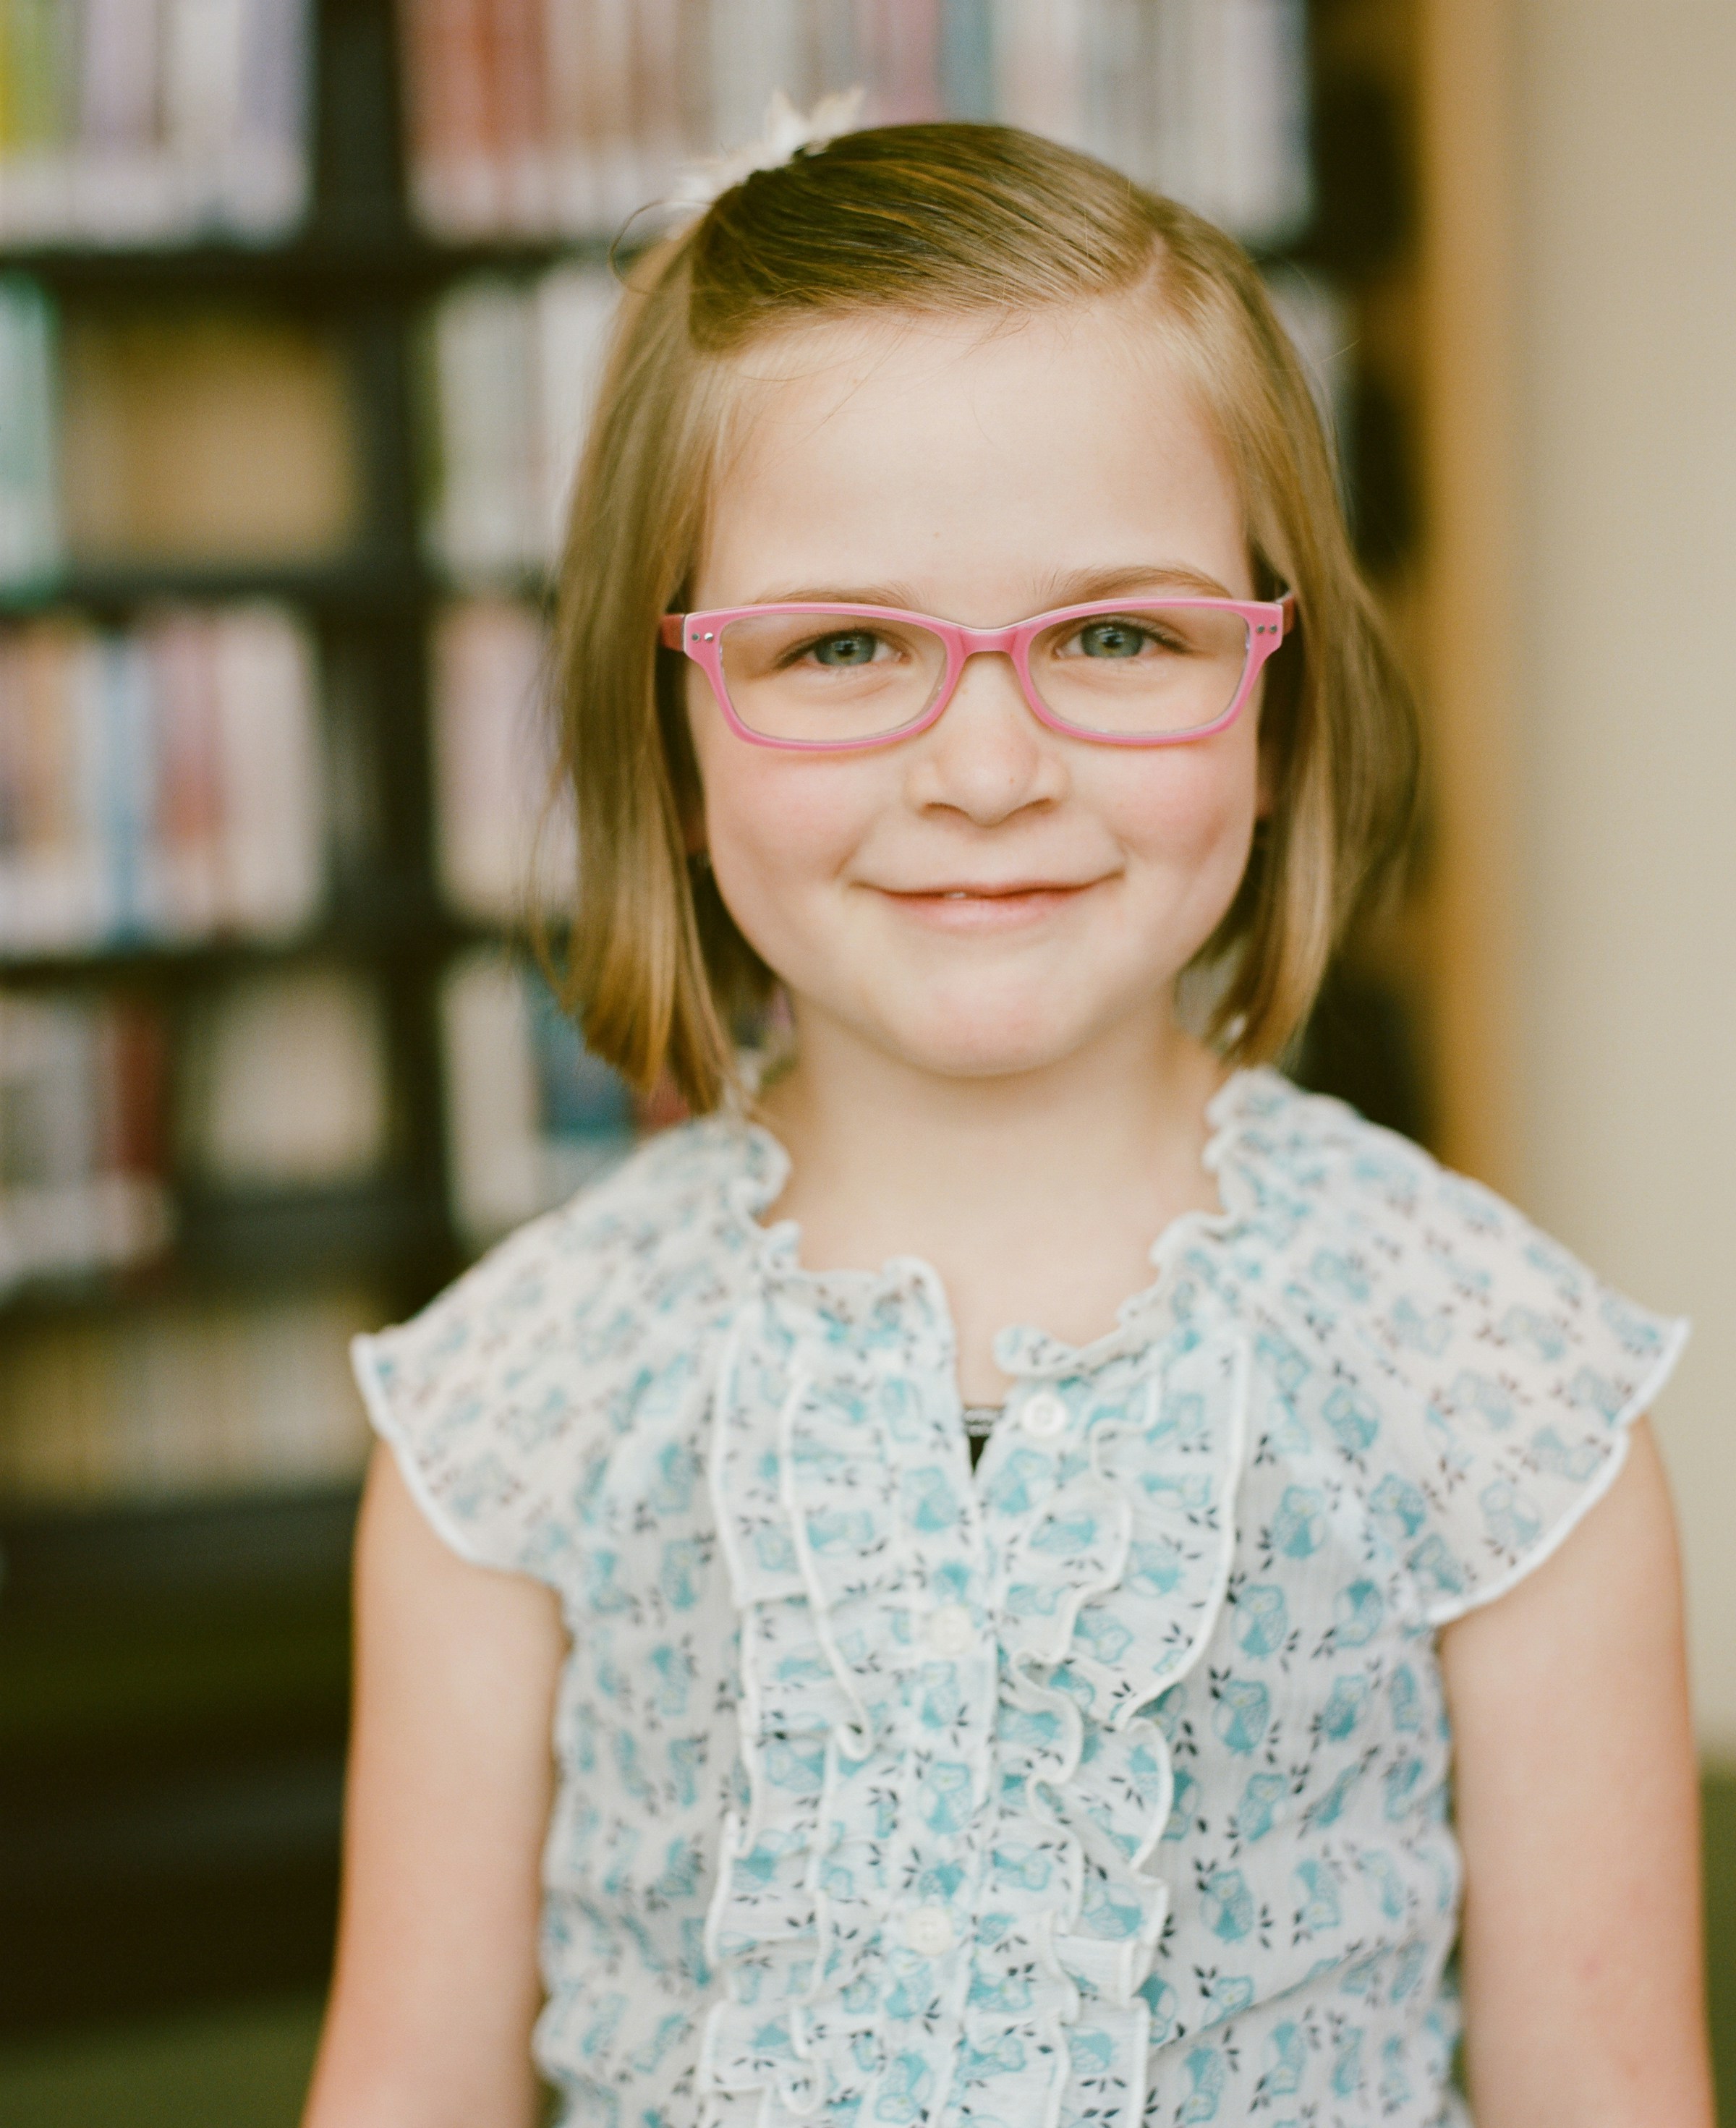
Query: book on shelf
(1204, 101)
(207, 436)
(531, 1115)
(82, 1160)
(568, 116)
(31, 540)
(282, 1082)
(163, 782)
(127, 122)
(504, 837)
(183, 1400)
(513, 367)
(539, 117)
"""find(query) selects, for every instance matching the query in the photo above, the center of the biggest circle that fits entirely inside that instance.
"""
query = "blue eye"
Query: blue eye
(1113, 638)
(857, 648)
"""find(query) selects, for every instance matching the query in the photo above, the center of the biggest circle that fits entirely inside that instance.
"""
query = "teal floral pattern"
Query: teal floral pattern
(1105, 1783)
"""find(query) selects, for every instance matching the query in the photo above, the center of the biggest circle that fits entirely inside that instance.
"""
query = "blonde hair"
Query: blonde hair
(941, 218)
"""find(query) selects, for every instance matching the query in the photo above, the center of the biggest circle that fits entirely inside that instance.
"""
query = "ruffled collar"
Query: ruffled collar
(1021, 1350)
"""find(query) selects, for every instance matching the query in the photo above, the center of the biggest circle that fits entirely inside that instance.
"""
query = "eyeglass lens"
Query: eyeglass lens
(1152, 670)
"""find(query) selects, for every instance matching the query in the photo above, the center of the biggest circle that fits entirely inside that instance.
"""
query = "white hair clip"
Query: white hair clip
(788, 133)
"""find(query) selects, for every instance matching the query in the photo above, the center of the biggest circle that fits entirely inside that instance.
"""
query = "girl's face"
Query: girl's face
(989, 896)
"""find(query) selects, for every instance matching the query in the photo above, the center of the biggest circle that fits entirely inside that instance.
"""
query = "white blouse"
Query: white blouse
(1106, 1783)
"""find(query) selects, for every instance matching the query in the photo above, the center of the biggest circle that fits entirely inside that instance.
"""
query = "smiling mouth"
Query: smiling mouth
(1010, 891)
(1015, 904)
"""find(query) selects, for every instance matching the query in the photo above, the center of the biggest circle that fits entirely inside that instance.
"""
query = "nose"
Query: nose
(987, 757)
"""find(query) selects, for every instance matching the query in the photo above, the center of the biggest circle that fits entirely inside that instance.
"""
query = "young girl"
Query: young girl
(959, 634)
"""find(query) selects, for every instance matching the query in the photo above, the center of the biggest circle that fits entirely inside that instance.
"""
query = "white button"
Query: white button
(929, 1932)
(950, 1630)
(1044, 1416)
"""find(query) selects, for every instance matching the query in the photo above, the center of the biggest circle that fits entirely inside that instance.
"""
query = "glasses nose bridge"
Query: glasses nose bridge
(975, 642)
(978, 643)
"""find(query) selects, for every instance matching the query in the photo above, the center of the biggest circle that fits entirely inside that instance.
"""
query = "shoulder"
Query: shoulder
(494, 1394)
(1477, 1375)
(1419, 1262)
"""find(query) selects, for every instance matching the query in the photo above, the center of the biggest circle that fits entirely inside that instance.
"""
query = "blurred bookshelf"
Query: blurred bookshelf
(293, 370)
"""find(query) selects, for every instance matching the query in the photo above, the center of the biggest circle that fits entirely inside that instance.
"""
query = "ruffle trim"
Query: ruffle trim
(371, 1363)
(936, 1904)
(1638, 1403)
(1245, 1101)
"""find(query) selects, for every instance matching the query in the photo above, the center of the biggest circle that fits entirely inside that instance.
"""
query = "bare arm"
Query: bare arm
(1578, 1812)
(449, 1788)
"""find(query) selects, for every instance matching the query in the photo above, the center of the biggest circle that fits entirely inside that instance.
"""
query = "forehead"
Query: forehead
(973, 454)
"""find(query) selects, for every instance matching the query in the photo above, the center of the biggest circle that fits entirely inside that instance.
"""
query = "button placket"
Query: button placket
(950, 1631)
(929, 1932)
(1043, 1416)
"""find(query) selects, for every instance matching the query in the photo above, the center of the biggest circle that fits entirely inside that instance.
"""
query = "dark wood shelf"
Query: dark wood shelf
(392, 1235)
(359, 584)
(329, 262)
(72, 1569)
(398, 583)
(287, 1238)
(391, 917)
(174, 1688)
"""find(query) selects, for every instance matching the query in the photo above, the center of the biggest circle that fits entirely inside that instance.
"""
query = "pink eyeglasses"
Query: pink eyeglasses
(1122, 671)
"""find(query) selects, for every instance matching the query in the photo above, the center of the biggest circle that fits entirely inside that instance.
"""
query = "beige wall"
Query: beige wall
(1623, 961)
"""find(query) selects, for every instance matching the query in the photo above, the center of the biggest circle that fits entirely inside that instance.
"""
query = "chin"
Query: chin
(960, 1040)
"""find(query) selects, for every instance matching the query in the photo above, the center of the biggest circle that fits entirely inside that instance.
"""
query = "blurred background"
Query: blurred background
(300, 305)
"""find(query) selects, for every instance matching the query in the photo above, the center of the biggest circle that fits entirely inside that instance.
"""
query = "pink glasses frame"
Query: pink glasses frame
(700, 636)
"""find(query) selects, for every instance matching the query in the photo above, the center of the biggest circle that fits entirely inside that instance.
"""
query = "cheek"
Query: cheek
(775, 823)
(776, 819)
(1190, 810)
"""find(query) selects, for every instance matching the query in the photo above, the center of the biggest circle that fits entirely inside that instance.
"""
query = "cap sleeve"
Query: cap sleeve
(501, 1400)
(1529, 1372)
(1506, 1373)
(478, 1398)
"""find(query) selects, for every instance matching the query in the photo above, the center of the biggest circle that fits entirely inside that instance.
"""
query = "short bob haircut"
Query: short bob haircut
(951, 219)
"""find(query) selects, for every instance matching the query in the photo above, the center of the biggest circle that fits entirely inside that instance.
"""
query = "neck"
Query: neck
(887, 1157)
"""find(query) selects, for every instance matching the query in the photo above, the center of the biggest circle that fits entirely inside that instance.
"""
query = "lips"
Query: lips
(987, 905)
(989, 891)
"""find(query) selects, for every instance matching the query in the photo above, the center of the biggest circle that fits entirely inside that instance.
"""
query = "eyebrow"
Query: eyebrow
(1075, 588)
(897, 595)
(1082, 585)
